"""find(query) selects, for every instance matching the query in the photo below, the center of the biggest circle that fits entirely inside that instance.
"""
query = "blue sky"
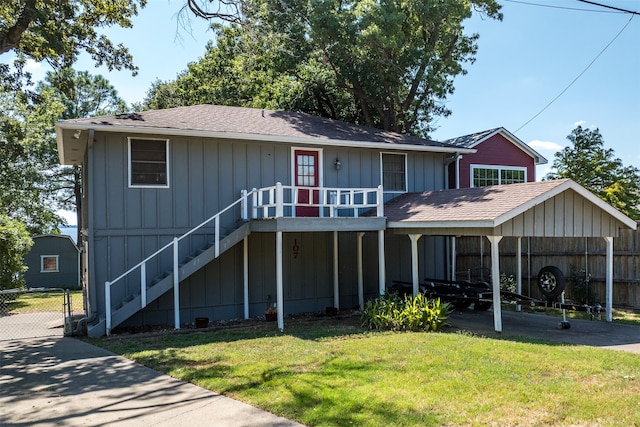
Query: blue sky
(522, 64)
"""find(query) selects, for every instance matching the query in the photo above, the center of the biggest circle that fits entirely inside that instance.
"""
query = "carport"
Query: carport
(559, 208)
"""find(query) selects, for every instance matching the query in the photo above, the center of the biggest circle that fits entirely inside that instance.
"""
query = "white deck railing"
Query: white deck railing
(269, 202)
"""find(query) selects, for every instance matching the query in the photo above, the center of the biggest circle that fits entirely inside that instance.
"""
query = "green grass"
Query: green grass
(331, 373)
(38, 302)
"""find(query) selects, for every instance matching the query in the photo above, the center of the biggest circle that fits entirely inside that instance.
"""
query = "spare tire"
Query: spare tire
(551, 281)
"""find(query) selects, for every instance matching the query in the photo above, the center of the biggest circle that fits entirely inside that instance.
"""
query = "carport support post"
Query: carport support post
(279, 290)
(360, 270)
(176, 285)
(518, 269)
(414, 262)
(495, 281)
(609, 279)
(381, 270)
(336, 280)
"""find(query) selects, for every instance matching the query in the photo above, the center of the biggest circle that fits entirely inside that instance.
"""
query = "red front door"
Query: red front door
(306, 175)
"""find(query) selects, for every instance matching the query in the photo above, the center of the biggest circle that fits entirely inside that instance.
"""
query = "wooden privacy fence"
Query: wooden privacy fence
(571, 255)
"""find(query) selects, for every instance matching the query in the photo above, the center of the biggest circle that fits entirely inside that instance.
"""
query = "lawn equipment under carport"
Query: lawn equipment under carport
(463, 294)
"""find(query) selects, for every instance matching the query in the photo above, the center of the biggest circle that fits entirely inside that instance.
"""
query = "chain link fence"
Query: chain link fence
(38, 312)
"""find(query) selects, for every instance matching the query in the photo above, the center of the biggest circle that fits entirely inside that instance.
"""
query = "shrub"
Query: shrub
(582, 291)
(15, 242)
(507, 282)
(391, 312)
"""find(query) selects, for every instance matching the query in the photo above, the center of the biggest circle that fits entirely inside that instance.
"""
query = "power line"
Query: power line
(579, 75)
(563, 7)
(610, 7)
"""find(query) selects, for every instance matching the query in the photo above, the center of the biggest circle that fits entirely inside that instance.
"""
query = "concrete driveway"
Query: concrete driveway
(67, 382)
(595, 333)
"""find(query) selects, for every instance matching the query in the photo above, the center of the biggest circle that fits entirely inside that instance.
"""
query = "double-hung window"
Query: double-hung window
(148, 162)
(394, 172)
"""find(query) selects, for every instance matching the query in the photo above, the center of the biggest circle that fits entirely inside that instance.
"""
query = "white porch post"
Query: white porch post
(246, 276)
(360, 271)
(495, 281)
(518, 269)
(414, 262)
(453, 258)
(176, 285)
(336, 283)
(609, 279)
(279, 290)
(381, 269)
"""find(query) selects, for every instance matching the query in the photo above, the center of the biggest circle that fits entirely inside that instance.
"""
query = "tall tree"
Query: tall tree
(28, 158)
(596, 168)
(387, 64)
(15, 242)
(57, 31)
(86, 96)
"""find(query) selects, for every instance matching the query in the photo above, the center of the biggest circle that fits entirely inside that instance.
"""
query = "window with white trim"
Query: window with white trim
(482, 175)
(148, 162)
(394, 172)
(48, 263)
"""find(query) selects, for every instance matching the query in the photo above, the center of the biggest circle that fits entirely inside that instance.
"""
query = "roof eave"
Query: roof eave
(256, 137)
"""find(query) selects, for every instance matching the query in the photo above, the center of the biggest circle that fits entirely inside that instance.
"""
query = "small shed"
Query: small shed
(54, 262)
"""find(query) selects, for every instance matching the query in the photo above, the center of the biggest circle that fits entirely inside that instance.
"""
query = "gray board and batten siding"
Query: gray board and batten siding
(205, 176)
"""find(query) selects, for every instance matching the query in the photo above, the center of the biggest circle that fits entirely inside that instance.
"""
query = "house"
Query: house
(500, 158)
(53, 262)
(213, 211)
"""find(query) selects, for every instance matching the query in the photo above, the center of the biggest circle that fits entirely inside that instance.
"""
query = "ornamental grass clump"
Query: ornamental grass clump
(391, 312)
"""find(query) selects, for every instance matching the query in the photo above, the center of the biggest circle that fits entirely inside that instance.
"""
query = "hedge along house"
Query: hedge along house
(54, 262)
(210, 211)
(278, 200)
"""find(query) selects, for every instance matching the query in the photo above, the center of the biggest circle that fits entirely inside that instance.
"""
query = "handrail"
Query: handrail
(264, 198)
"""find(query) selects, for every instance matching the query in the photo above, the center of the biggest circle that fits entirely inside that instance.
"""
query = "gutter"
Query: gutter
(259, 137)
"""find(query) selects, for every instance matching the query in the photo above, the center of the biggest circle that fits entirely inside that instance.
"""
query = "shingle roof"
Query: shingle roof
(467, 141)
(466, 204)
(250, 121)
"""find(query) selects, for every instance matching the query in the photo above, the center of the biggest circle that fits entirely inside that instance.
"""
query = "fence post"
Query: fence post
(243, 204)
(380, 196)
(216, 240)
(143, 285)
(176, 285)
(107, 306)
(255, 204)
(279, 198)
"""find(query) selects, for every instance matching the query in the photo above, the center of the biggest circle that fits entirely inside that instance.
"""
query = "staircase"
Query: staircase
(269, 202)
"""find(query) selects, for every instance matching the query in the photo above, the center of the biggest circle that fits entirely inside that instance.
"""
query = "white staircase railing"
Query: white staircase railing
(269, 202)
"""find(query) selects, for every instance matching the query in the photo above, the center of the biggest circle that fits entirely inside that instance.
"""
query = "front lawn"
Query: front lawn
(332, 373)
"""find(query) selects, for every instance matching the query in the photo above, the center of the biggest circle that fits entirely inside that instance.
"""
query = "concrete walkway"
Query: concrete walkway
(67, 382)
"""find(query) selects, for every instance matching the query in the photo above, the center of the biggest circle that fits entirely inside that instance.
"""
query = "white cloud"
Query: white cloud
(32, 65)
(545, 145)
(579, 123)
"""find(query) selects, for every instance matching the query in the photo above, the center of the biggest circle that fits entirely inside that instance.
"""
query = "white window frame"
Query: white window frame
(320, 164)
(499, 168)
(406, 180)
(131, 184)
(42, 258)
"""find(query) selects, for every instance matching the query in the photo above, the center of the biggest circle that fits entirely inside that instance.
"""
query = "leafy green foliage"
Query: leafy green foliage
(388, 65)
(58, 31)
(390, 312)
(15, 242)
(507, 282)
(580, 286)
(594, 167)
(29, 158)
